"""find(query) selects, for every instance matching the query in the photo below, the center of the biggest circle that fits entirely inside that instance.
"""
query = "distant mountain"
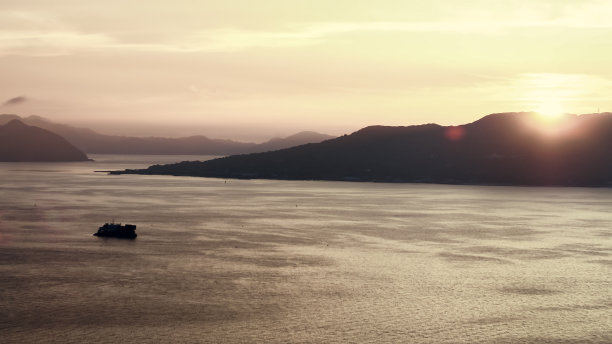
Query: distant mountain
(505, 148)
(298, 139)
(20, 142)
(92, 142)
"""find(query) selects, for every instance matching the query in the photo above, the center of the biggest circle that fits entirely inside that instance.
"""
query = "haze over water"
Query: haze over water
(298, 261)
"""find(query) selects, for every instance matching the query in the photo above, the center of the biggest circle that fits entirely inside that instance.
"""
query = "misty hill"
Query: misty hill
(506, 148)
(20, 142)
(92, 142)
(298, 139)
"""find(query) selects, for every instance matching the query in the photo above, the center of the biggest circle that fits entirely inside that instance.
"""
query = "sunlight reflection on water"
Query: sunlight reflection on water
(290, 261)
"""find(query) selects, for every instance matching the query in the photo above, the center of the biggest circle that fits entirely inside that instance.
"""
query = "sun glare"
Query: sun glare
(550, 110)
(549, 118)
(551, 95)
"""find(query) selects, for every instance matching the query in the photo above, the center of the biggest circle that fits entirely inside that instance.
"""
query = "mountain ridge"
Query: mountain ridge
(93, 142)
(503, 149)
(20, 142)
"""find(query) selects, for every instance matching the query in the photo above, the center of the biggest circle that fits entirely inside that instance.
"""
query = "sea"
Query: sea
(270, 261)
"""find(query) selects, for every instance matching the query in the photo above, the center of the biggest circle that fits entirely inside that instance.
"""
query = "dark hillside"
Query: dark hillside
(20, 142)
(508, 148)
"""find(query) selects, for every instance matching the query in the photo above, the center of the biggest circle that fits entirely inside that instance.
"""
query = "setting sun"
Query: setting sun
(550, 109)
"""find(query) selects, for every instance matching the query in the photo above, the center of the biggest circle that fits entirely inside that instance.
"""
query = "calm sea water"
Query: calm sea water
(242, 261)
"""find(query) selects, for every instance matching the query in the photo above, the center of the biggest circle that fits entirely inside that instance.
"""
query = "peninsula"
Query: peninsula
(501, 149)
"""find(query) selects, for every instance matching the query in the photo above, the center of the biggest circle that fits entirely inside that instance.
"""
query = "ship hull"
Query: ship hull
(113, 230)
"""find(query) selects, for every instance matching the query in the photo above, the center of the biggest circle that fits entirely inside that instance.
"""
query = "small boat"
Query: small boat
(117, 230)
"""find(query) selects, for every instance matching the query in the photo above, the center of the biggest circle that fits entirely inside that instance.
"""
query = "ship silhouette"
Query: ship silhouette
(117, 230)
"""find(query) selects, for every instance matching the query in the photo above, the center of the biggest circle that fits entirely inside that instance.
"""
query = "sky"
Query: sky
(254, 69)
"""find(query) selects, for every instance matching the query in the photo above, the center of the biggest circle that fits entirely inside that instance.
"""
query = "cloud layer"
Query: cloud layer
(341, 63)
(15, 101)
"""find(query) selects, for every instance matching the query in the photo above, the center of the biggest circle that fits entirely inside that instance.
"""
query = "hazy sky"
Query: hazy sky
(280, 66)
